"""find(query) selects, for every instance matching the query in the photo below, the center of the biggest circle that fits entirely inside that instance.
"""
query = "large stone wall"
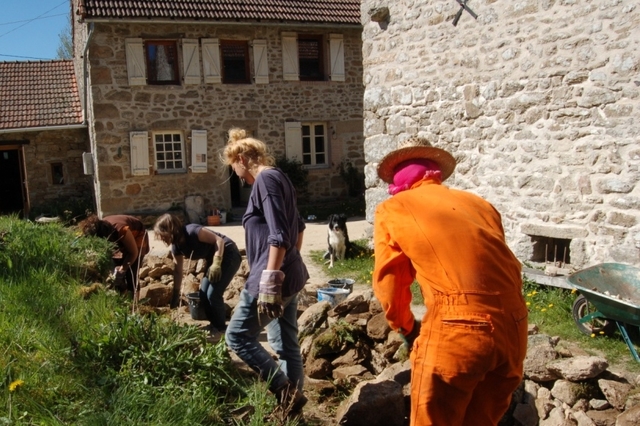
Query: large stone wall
(537, 100)
(41, 149)
(117, 108)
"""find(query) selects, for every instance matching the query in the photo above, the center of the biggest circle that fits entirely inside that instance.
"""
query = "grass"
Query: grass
(549, 309)
(66, 358)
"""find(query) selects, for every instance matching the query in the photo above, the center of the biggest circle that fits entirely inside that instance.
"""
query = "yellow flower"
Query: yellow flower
(543, 309)
(528, 294)
(574, 291)
(15, 385)
(534, 293)
(551, 305)
(602, 332)
(593, 335)
(528, 303)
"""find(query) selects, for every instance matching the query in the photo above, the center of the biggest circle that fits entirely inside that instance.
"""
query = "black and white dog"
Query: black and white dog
(337, 238)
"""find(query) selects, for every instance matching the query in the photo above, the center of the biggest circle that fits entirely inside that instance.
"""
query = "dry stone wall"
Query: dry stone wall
(536, 99)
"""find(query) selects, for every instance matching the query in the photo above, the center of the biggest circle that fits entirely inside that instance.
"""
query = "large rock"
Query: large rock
(578, 368)
(375, 403)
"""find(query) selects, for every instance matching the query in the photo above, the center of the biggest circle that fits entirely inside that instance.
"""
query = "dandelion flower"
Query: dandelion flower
(15, 385)
(543, 309)
(534, 293)
(528, 294)
(551, 305)
(574, 291)
(528, 303)
(593, 335)
(602, 332)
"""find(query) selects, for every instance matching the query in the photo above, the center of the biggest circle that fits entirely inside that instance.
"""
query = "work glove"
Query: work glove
(215, 270)
(270, 294)
(410, 337)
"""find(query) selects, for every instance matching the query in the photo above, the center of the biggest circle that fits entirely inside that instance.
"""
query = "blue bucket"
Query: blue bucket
(332, 295)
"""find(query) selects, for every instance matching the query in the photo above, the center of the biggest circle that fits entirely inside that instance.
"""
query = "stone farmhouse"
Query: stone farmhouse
(162, 82)
(538, 100)
(42, 137)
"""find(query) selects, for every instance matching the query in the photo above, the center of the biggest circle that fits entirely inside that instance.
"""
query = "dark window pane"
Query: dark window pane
(306, 145)
(306, 159)
(319, 143)
(306, 130)
(320, 159)
(235, 61)
(310, 58)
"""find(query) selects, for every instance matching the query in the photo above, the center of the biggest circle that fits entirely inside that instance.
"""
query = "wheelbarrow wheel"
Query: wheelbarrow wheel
(582, 308)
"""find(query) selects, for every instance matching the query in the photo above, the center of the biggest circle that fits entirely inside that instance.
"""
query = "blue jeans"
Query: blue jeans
(282, 333)
(211, 294)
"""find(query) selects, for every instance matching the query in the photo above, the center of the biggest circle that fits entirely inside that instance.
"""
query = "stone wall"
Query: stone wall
(117, 109)
(536, 99)
(44, 148)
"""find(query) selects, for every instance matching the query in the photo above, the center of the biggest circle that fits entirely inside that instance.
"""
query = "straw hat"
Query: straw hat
(415, 147)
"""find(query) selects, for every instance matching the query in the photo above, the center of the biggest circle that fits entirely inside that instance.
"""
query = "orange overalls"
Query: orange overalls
(468, 358)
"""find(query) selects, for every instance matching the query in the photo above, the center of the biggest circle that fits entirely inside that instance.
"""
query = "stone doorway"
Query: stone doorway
(12, 195)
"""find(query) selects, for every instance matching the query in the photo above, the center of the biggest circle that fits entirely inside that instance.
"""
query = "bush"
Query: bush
(299, 177)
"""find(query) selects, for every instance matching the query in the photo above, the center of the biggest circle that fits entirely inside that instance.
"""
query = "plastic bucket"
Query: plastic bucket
(332, 295)
(344, 283)
(195, 307)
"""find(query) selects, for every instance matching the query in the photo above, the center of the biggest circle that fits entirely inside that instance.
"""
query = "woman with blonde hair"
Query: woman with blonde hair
(273, 237)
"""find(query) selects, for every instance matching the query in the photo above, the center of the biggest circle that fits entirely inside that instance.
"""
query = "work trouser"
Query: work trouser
(468, 359)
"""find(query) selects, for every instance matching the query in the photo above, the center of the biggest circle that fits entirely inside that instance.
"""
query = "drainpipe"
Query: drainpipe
(85, 74)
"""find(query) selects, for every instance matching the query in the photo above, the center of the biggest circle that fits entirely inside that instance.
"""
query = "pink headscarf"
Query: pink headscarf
(411, 171)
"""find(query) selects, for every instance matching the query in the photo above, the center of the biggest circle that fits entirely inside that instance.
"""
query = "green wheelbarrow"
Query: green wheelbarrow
(609, 297)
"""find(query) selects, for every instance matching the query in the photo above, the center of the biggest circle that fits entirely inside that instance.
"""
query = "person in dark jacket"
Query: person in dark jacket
(273, 235)
(194, 241)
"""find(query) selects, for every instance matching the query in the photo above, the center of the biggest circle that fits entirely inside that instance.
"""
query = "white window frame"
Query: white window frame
(295, 143)
(159, 166)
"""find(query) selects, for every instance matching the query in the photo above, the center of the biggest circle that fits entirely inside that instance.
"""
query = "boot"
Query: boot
(290, 400)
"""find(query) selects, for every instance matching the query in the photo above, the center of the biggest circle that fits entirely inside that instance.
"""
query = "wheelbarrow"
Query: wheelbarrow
(609, 297)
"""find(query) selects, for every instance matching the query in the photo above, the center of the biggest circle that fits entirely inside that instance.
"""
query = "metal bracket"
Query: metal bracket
(463, 7)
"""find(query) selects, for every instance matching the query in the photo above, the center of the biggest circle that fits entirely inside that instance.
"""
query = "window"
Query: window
(314, 144)
(162, 62)
(235, 61)
(57, 174)
(169, 151)
(305, 57)
(307, 143)
(310, 58)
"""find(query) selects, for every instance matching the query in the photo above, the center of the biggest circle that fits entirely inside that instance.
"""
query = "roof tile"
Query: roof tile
(38, 94)
(316, 11)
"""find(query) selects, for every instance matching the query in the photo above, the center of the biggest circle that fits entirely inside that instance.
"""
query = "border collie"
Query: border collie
(337, 238)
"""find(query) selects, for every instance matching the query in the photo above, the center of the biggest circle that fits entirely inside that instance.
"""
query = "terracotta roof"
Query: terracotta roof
(38, 94)
(316, 11)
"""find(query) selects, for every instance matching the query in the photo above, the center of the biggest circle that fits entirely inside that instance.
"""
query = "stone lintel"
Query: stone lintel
(566, 232)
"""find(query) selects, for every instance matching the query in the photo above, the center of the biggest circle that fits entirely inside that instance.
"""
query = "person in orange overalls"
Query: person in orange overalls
(467, 351)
